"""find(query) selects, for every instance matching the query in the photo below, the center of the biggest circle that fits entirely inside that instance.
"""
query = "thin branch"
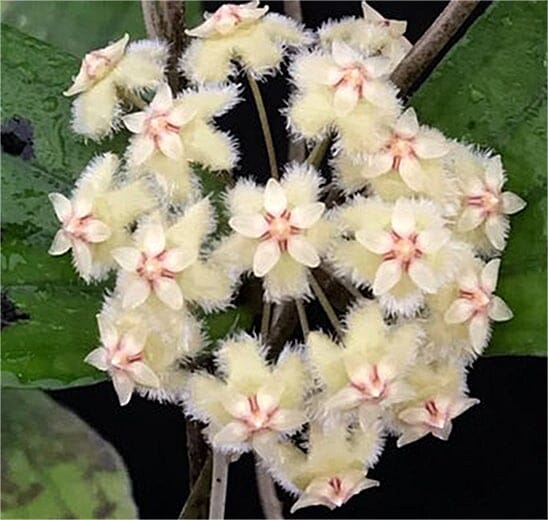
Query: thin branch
(292, 8)
(324, 302)
(197, 502)
(259, 103)
(303, 320)
(165, 20)
(315, 157)
(219, 481)
(265, 320)
(431, 43)
(271, 505)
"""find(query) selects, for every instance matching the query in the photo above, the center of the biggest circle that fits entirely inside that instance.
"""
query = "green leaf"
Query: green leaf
(491, 90)
(55, 466)
(47, 350)
(85, 25)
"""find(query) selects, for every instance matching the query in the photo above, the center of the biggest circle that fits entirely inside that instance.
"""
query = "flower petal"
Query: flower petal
(423, 276)
(490, 274)
(345, 99)
(233, 433)
(410, 170)
(107, 332)
(377, 66)
(407, 124)
(414, 416)
(494, 174)
(154, 239)
(427, 147)
(135, 293)
(433, 239)
(343, 54)
(459, 311)
(266, 256)
(82, 256)
(170, 145)
(142, 147)
(499, 310)
(512, 203)
(180, 115)
(61, 205)
(128, 258)
(470, 219)
(177, 259)
(163, 99)
(403, 219)
(388, 275)
(275, 201)
(143, 374)
(133, 342)
(345, 399)
(496, 231)
(303, 251)
(124, 385)
(307, 215)
(135, 122)
(250, 226)
(169, 292)
(378, 242)
(96, 231)
(287, 420)
(479, 331)
(61, 244)
(377, 164)
(98, 359)
(236, 404)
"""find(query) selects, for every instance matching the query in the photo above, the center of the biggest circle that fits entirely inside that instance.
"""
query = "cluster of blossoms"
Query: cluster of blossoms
(419, 234)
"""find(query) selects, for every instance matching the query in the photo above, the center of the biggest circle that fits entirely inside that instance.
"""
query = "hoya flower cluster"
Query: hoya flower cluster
(419, 235)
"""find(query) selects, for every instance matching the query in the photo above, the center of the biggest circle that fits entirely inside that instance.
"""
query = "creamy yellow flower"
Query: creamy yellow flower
(243, 33)
(105, 75)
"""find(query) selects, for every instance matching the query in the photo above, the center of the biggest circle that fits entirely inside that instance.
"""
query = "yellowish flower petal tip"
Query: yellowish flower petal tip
(246, 33)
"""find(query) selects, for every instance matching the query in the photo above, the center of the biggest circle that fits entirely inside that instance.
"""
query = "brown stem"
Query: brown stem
(197, 503)
(165, 20)
(271, 505)
(326, 305)
(292, 8)
(303, 320)
(431, 43)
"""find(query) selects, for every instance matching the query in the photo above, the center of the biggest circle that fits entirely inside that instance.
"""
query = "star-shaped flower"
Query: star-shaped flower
(486, 205)
(105, 74)
(79, 229)
(243, 33)
(405, 150)
(252, 399)
(369, 369)
(158, 127)
(279, 229)
(477, 304)
(280, 232)
(123, 358)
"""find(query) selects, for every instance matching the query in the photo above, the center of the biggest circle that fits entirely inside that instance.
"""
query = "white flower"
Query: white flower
(158, 127)
(395, 28)
(279, 229)
(477, 304)
(404, 150)
(152, 267)
(354, 78)
(122, 357)
(486, 205)
(79, 229)
(227, 19)
(434, 416)
(406, 249)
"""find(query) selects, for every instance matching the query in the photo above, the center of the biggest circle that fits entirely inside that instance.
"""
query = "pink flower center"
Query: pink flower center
(480, 298)
(152, 268)
(353, 77)
(280, 229)
(404, 249)
(96, 64)
(257, 419)
(437, 418)
(227, 16)
(338, 495)
(158, 124)
(489, 202)
(400, 147)
(120, 359)
(78, 227)
(373, 388)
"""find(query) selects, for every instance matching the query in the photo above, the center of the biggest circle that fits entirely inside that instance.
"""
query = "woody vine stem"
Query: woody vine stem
(165, 20)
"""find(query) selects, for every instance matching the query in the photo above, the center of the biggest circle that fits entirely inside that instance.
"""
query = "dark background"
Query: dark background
(494, 464)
